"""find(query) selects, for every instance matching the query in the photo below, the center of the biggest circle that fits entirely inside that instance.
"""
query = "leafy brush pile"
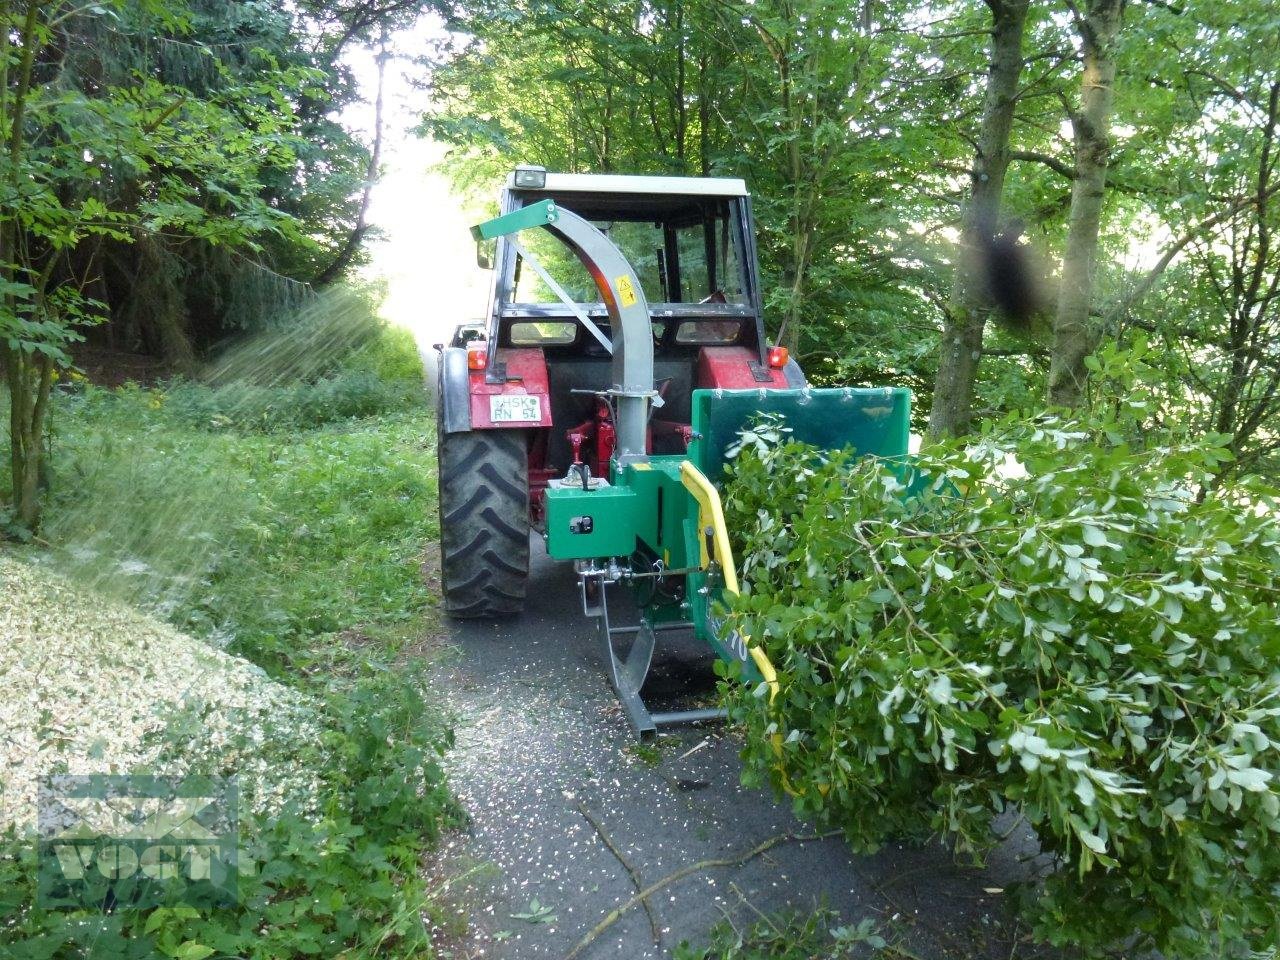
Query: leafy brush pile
(813, 935)
(1050, 620)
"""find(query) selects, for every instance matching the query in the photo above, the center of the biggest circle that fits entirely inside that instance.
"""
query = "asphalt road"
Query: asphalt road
(547, 768)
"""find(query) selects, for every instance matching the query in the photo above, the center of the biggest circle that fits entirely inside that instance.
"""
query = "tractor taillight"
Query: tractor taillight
(478, 357)
(778, 357)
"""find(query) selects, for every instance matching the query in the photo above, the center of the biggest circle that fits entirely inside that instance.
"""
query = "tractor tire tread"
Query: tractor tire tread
(490, 473)
(484, 522)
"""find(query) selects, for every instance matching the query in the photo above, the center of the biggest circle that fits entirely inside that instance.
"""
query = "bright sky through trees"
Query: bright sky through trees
(424, 251)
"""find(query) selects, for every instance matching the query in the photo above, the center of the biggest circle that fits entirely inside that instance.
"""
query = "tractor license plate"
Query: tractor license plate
(515, 409)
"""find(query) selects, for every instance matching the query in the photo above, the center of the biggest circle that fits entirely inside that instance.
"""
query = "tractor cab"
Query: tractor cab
(691, 244)
(551, 374)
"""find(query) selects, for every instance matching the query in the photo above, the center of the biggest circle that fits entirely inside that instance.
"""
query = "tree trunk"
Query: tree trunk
(157, 303)
(789, 332)
(704, 119)
(29, 377)
(961, 346)
(681, 101)
(352, 245)
(28, 373)
(1072, 336)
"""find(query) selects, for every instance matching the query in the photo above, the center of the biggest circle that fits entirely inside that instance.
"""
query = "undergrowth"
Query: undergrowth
(812, 935)
(256, 533)
(288, 527)
(280, 409)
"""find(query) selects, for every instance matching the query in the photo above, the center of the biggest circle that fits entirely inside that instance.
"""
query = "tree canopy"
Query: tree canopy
(1119, 156)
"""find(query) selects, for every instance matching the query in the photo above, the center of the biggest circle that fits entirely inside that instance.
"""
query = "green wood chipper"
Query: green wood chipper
(623, 351)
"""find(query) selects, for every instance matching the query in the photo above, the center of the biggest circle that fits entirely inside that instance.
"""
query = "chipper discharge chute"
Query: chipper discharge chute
(605, 422)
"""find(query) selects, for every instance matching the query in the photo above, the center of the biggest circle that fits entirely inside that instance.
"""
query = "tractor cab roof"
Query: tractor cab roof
(538, 181)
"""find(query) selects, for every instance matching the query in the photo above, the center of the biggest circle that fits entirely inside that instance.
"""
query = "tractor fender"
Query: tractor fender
(739, 368)
(455, 391)
(523, 372)
(794, 375)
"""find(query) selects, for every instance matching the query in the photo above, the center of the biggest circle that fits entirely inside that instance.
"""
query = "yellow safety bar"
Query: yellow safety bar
(711, 517)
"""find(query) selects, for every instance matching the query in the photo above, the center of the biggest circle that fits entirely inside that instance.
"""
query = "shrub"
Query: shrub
(315, 340)
(347, 395)
(381, 376)
(1054, 621)
(391, 356)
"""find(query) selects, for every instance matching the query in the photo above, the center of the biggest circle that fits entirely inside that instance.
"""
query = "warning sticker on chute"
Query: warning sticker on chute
(626, 292)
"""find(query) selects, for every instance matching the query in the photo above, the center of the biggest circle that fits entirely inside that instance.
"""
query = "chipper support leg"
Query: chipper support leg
(627, 672)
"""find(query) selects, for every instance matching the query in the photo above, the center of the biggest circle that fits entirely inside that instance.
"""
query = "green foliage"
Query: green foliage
(299, 406)
(300, 551)
(264, 539)
(1061, 618)
(855, 126)
(392, 356)
(104, 151)
(173, 147)
(824, 107)
(333, 362)
(341, 534)
(813, 935)
(312, 341)
(1216, 145)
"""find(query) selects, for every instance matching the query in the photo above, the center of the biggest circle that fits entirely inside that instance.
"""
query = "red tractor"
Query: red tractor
(535, 395)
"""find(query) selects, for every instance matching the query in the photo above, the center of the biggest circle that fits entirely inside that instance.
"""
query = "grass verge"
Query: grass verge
(285, 523)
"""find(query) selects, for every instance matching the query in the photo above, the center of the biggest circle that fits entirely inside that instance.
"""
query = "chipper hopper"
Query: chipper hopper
(602, 420)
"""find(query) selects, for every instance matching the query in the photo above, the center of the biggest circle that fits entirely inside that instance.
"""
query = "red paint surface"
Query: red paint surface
(730, 368)
(526, 374)
(538, 476)
(593, 441)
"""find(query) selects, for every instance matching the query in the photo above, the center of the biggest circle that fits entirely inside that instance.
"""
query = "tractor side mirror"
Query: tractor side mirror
(484, 259)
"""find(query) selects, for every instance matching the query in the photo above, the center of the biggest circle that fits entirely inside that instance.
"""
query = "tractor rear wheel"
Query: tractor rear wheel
(484, 522)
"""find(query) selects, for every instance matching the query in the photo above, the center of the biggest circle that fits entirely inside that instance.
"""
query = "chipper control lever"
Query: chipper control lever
(632, 335)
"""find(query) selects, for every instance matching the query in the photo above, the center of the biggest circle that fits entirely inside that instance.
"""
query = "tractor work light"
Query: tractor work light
(530, 177)
(778, 357)
(478, 357)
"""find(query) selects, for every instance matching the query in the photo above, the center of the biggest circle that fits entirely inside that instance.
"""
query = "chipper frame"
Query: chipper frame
(655, 523)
